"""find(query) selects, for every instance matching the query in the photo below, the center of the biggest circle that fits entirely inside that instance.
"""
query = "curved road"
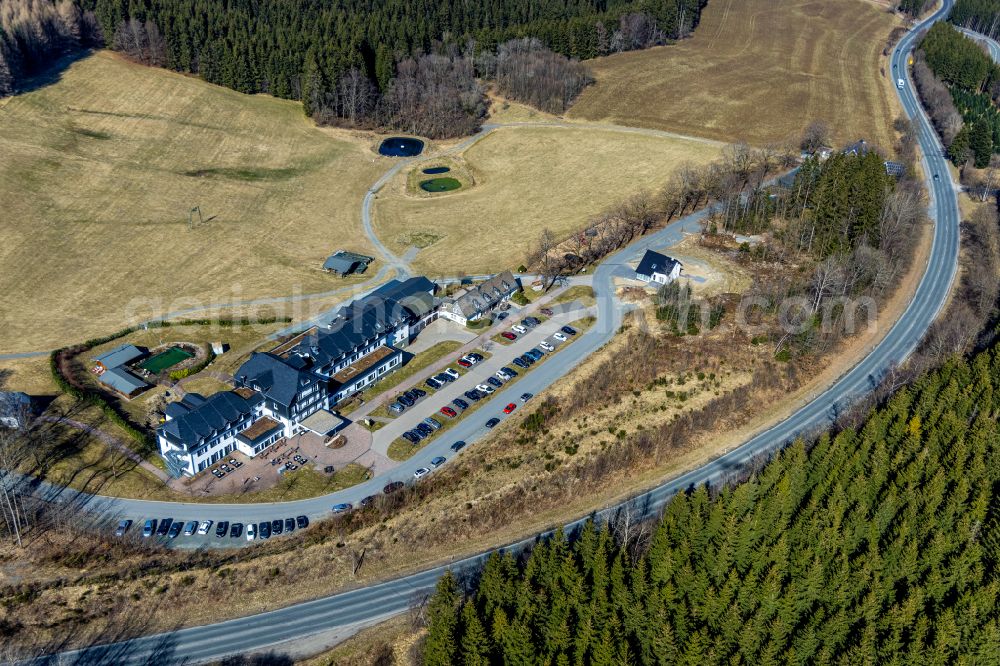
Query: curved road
(375, 602)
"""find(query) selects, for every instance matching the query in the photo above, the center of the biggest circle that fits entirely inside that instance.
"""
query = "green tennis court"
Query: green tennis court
(164, 360)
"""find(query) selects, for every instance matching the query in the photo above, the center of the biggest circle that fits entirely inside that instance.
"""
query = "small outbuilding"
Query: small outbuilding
(658, 268)
(346, 263)
(118, 357)
(122, 381)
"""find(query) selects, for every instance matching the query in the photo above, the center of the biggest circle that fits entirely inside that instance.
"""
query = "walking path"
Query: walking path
(112, 442)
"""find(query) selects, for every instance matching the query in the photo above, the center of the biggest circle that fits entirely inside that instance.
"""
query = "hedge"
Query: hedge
(195, 369)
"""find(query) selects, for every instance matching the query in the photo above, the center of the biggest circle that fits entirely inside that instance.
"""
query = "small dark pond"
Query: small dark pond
(440, 184)
(401, 146)
(433, 170)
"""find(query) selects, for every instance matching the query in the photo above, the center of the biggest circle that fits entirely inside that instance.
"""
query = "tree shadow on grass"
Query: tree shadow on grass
(53, 73)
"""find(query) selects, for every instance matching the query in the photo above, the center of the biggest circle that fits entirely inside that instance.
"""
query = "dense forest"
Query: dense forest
(880, 544)
(408, 65)
(34, 33)
(967, 117)
(979, 15)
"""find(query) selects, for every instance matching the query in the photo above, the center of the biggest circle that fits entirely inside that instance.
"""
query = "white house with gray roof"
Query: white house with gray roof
(476, 302)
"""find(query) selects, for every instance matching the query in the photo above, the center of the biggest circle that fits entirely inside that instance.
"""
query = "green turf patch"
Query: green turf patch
(440, 184)
(164, 360)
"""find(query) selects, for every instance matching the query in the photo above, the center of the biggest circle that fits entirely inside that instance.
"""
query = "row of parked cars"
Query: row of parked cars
(170, 528)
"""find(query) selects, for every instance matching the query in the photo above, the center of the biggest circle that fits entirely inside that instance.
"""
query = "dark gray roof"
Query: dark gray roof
(654, 262)
(121, 380)
(345, 262)
(385, 309)
(119, 356)
(484, 296)
(277, 379)
(217, 413)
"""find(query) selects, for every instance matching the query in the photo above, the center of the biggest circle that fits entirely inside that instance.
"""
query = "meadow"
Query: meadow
(101, 168)
(758, 70)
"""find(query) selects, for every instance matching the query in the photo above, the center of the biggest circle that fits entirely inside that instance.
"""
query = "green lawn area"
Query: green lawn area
(166, 359)
(581, 292)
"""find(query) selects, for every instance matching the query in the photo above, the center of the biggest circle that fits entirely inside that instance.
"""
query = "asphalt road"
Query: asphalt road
(269, 630)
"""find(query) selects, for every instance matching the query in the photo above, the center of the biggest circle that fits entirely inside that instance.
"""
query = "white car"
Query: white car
(451, 372)
(502, 376)
(517, 328)
(251, 532)
(546, 346)
(204, 527)
(470, 360)
(421, 472)
(559, 336)
(485, 388)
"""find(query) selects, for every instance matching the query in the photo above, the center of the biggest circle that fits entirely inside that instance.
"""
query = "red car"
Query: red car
(448, 411)
(465, 364)
(509, 335)
(509, 408)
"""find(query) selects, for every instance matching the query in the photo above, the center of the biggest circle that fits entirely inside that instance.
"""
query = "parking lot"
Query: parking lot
(502, 355)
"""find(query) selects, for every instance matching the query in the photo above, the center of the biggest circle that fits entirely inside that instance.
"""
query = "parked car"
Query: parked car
(411, 437)
(277, 526)
(289, 524)
(503, 315)
(534, 353)
(443, 378)
(123, 528)
(527, 324)
(475, 356)
(204, 527)
(485, 388)
(164, 528)
(527, 359)
(533, 321)
(236, 530)
(461, 404)
(519, 362)
(519, 329)
(264, 530)
(509, 335)
(190, 528)
(472, 395)
(421, 472)
(494, 382)
(560, 336)
(416, 393)
(492, 423)
(464, 362)
(397, 407)
(525, 397)
(433, 422)
(546, 311)
(546, 346)
(365, 501)
(406, 400)
(509, 408)
(568, 330)
(175, 529)
(509, 372)
(438, 461)
(251, 531)
(448, 411)
(302, 522)
(392, 487)
(424, 429)
(149, 528)
(458, 446)
(452, 372)
(433, 383)
(222, 528)
(342, 507)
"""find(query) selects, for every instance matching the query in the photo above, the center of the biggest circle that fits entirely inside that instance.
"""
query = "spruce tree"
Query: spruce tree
(442, 613)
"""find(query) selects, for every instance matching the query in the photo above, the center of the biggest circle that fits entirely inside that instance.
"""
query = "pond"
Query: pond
(437, 169)
(401, 146)
(440, 184)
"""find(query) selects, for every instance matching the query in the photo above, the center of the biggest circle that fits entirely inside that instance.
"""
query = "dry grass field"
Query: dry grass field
(758, 70)
(526, 179)
(98, 174)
